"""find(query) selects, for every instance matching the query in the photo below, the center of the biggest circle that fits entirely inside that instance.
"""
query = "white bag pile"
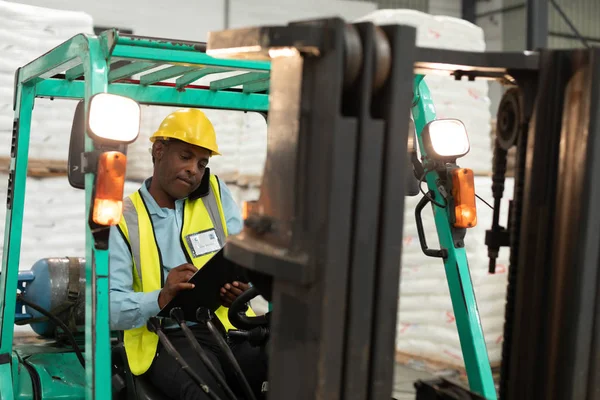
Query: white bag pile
(27, 32)
(467, 101)
(54, 219)
(426, 324)
(241, 137)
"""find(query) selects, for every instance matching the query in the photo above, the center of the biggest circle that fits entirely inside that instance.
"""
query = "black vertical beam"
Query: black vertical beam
(469, 8)
(537, 204)
(391, 207)
(537, 24)
(329, 217)
(556, 331)
(361, 290)
(309, 319)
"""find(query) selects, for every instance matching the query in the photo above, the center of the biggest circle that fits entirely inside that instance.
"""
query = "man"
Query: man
(171, 227)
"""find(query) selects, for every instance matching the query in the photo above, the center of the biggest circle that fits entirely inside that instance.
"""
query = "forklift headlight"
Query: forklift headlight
(114, 118)
(445, 139)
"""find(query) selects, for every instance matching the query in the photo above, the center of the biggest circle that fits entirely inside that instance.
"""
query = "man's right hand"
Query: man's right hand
(176, 281)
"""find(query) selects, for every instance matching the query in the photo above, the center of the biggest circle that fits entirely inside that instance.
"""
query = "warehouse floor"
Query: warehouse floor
(405, 378)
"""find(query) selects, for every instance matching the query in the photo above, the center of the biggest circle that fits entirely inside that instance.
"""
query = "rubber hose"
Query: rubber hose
(62, 325)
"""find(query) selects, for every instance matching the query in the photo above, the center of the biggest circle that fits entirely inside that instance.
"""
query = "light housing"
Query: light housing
(463, 195)
(113, 118)
(110, 184)
(445, 139)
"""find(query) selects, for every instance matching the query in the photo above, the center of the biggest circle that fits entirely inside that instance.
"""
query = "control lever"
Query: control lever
(177, 314)
(442, 389)
(205, 315)
(154, 326)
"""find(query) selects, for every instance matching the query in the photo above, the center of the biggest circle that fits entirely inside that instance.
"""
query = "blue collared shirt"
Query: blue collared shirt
(129, 309)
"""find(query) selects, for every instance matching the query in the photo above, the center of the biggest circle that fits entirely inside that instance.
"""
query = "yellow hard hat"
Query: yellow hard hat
(189, 125)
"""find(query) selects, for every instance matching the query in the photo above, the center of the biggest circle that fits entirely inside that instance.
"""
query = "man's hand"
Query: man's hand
(176, 281)
(230, 292)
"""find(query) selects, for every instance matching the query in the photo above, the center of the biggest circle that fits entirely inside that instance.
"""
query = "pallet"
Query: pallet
(38, 168)
(440, 367)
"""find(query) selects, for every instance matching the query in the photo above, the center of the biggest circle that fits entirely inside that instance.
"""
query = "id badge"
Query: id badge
(203, 243)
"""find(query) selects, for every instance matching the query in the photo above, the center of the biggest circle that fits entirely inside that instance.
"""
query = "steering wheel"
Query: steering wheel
(237, 312)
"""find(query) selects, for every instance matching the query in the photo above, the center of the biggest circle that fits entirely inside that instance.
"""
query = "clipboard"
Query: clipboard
(208, 282)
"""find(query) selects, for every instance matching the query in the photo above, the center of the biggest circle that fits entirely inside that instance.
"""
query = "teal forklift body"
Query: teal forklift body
(87, 65)
(464, 304)
(78, 69)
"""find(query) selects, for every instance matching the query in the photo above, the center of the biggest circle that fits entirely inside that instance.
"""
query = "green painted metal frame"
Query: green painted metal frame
(13, 233)
(166, 73)
(161, 95)
(91, 57)
(129, 70)
(470, 331)
(192, 76)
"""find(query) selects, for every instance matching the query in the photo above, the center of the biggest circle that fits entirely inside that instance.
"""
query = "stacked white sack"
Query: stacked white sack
(242, 140)
(27, 32)
(54, 219)
(252, 150)
(467, 101)
(54, 222)
(426, 323)
(228, 127)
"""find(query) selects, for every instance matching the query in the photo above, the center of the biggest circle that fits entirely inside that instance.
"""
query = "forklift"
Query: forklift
(98, 72)
(329, 263)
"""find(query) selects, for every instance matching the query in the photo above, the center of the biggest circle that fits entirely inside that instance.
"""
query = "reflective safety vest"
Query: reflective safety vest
(199, 215)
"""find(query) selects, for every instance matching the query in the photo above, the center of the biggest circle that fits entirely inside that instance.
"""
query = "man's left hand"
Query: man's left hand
(231, 291)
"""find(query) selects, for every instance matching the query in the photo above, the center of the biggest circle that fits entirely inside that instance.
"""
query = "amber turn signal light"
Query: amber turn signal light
(110, 183)
(463, 192)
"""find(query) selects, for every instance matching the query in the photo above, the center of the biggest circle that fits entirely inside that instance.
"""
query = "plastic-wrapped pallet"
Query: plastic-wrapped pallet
(242, 140)
(228, 127)
(54, 219)
(252, 150)
(27, 32)
(426, 324)
(467, 101)
(54, 222)
(432, 31)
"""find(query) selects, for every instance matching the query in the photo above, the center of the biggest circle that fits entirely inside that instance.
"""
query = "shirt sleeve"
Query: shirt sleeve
(128, 309)
(233, 215)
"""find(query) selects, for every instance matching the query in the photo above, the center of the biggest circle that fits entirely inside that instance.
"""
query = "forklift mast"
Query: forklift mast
(327, 224)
